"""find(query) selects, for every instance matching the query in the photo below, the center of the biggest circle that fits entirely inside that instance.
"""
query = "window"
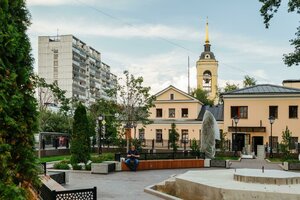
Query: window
(274, 142)
(141, 134)
(293, 111)
(158, 135)
(55, 56)
(273, 111)
(240, 111)
(55, 50)
(184, 112)
(171, 112)
(184, 135)
(293, 143)
(171, 96)
(158, 112)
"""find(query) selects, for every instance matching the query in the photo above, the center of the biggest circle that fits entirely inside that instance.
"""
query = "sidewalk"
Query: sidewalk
(130, 185)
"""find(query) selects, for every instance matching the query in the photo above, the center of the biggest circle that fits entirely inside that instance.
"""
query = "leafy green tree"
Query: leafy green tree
(268, 9)
(195, 147)
(54, 122)
(249, 81)
(173, 137)
(80, 140)
(230, 87)
(50, 92)
(202, 96)
(18, 169)
(108, 109)
(134, 100)
(285, 143)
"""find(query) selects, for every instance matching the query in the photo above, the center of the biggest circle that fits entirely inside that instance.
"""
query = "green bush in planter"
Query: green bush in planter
(77, 167)
(61, 165)
(88, 167)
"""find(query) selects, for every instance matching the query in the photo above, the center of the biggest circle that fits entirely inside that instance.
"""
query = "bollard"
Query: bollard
(263, 169)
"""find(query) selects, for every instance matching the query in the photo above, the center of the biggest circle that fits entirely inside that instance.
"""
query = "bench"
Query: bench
(103, 168)
(167, 164)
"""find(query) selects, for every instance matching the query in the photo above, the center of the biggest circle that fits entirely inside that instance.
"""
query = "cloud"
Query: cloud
(107, 30)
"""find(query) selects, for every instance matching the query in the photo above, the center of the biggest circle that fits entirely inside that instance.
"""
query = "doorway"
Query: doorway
(257, 140)
(238, 141)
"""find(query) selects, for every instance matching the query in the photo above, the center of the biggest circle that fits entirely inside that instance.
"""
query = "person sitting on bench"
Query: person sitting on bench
(132, 158)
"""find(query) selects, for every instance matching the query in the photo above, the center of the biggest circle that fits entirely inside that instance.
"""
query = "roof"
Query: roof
(217, 111)
(291, 81)
(264, 89)
(211, 54)
(178, 90)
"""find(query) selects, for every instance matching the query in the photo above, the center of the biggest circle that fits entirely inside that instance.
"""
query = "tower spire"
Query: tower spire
(206, 32)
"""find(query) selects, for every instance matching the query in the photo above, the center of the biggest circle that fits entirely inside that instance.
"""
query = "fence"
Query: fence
(86, 194)
(166, 156)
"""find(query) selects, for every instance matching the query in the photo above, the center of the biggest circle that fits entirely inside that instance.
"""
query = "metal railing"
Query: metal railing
(166, 156)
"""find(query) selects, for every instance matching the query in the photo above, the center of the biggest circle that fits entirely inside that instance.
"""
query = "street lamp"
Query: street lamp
(271, 119)
(99, 119)
(236, 121)
(134, 126)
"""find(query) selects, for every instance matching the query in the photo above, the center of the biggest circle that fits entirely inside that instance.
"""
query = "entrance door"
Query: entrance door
(257, 140)
(238, 141)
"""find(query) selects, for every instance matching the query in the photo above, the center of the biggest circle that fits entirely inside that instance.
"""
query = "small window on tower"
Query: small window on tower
(171, 96)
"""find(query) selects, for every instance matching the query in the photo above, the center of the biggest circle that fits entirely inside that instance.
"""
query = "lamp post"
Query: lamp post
(236, 121)
(99, 119)
(134, 126)
(271, 119)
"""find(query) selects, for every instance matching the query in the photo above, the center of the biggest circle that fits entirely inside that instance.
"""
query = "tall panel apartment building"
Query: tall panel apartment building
(75, 66)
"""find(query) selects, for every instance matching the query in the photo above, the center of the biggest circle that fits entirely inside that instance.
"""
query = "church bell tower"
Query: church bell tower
(207, 69)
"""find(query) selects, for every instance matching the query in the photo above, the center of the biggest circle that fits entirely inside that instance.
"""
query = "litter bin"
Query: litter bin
(117, 157)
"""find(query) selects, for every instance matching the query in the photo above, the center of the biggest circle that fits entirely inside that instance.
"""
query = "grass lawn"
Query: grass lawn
(54, 158)
(227, 158)
(103, 156)
(275, 160)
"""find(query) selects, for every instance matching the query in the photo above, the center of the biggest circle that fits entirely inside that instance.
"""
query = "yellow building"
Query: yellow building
(207, 70)
(253, 106)
(175, 106)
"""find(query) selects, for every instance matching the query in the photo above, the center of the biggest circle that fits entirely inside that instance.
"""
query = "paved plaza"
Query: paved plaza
(130, 185)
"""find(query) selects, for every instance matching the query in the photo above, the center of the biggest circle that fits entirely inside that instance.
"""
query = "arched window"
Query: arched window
(207, 80)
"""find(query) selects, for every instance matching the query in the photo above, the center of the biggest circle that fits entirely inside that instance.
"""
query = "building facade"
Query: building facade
(254, 106)
(76, 67)
(174, 106)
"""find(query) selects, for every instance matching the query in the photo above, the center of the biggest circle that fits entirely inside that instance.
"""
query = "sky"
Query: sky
(154, 38)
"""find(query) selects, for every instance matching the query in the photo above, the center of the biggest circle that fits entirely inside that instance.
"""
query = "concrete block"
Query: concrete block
(99, 168)
(285, 166)
(117, 164)
(207, 162)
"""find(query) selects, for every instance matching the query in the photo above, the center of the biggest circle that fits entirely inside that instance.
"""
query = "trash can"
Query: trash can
(117, 157)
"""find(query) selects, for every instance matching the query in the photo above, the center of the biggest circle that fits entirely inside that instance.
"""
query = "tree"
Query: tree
(173, 137)
(108, 109)
(230, 87)
(50, 93)
(80, 140)
(268, 9)
(134, 100)
(195, 147)
(202, 96)
(18, 169)
(285, 143)
(54, 122)
(249, 81)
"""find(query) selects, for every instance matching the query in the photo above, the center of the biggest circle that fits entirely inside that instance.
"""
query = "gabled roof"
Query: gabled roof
(263, 89)
(217, 111)
(179, 91)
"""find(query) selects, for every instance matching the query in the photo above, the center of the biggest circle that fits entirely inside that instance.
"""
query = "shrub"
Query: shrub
(76, 167)
(103, 157)
(61, 165)
(88, 167)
